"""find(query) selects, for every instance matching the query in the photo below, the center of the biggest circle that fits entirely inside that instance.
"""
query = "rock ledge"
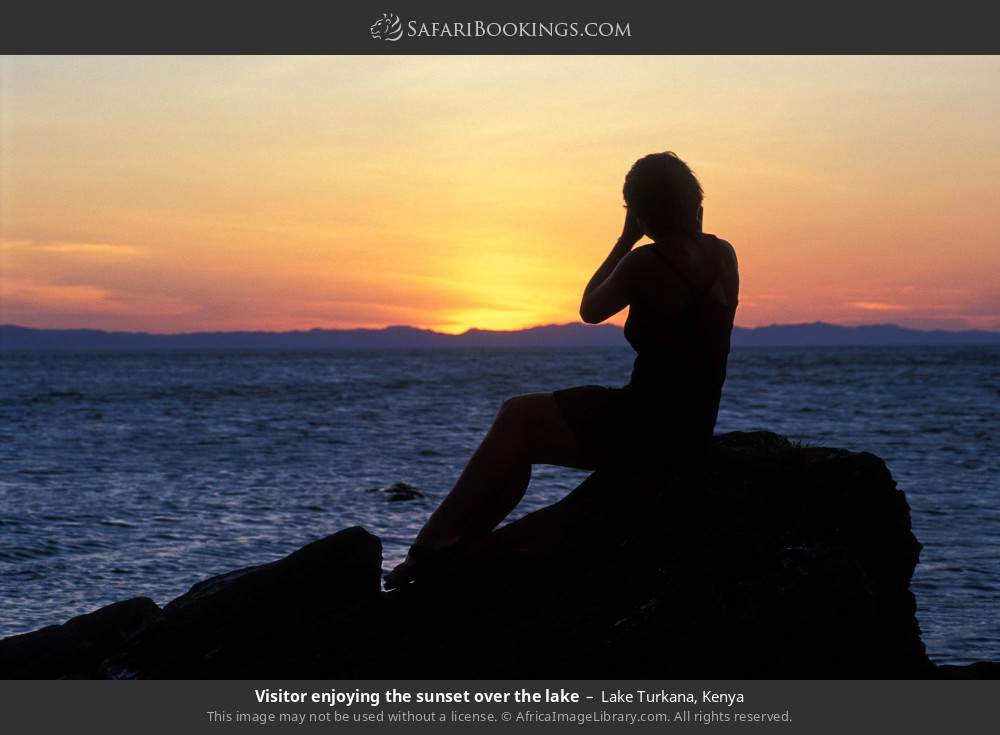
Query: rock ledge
(782, 562)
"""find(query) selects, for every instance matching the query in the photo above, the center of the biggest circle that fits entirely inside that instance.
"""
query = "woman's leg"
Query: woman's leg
(529, 429)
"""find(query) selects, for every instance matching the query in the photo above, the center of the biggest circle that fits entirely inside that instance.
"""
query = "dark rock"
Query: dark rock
(75, 649)
(262, 621)
(398, 491)
(783, 562)
(780, 562)
(978, 670)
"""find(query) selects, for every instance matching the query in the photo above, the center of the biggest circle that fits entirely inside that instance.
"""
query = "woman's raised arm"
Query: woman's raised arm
(610, 288)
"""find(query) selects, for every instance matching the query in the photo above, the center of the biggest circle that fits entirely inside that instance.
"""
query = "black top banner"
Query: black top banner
(513, 27)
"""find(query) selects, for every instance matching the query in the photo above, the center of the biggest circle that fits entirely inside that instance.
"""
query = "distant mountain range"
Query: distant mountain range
(554, 335)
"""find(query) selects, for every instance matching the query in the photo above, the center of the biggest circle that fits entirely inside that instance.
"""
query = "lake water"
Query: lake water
(140, 474)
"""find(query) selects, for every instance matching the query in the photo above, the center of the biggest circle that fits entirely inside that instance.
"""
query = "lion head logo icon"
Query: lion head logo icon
(387, 28)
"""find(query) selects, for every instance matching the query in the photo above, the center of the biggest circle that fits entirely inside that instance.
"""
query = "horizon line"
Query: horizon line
(387, 327)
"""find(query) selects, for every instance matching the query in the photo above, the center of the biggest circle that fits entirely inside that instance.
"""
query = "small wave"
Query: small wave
(26, 553)
(116, 522)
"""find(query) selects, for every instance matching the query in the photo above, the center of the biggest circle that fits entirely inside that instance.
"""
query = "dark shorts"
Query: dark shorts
(600, 419)
(620, 428)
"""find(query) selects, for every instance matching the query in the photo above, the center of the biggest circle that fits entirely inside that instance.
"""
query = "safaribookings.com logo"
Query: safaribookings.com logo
(387, 28)
(390, 28)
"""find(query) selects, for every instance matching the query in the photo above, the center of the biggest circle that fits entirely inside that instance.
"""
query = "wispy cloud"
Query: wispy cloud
(44, 296)
(50, 295)
(93, 249)
(876, 306)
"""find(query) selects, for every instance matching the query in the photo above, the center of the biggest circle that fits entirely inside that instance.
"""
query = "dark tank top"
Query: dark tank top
(680, 362)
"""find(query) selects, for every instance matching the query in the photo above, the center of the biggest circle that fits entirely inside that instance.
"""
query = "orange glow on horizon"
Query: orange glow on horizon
(173, 194)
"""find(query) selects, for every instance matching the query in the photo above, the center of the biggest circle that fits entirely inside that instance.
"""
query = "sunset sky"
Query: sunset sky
(200, 193)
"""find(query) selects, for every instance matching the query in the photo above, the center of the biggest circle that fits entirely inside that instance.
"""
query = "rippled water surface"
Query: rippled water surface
(139, 474)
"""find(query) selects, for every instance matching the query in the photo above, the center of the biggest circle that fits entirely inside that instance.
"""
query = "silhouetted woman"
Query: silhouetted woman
(682, 291)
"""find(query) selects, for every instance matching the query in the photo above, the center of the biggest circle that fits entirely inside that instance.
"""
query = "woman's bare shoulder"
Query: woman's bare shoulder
(639, 258)
(727, 247)
(641, 253)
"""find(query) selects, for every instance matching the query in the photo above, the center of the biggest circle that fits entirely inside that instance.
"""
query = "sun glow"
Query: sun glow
(459, 192)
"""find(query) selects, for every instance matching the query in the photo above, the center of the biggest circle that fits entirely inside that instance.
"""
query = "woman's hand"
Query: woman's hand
(632, 231)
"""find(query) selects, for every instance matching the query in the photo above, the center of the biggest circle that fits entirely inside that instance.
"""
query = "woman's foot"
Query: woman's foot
(419, 561)
(401, 574)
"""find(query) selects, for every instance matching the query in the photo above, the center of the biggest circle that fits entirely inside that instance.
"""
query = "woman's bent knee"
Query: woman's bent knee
(525, 419)
(514, 410)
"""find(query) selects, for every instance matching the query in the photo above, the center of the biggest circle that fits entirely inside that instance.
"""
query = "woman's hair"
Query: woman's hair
(661, 190)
